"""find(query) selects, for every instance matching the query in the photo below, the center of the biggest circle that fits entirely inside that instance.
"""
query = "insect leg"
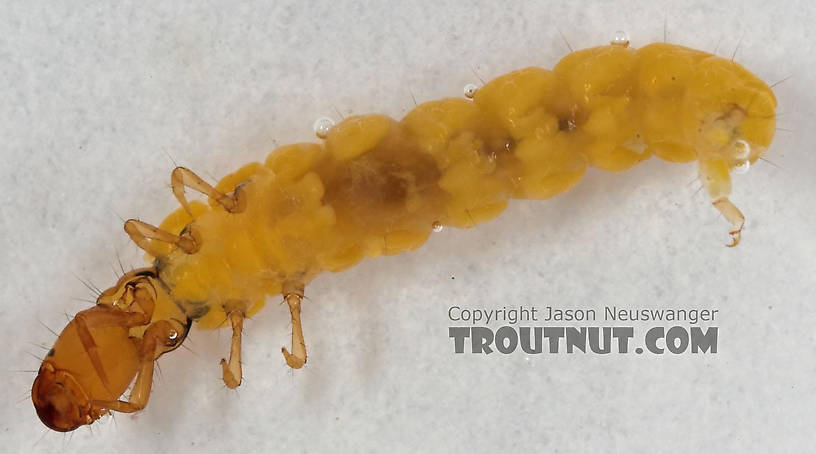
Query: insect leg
(159, 337)
(715, 176)
(733, 215)
(293, 294)
(130, 282)
(100, 316)
(231, 370)
(182, 177)
(140, 232)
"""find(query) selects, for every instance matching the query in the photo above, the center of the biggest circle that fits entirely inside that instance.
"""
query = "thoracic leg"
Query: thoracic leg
(140, 232)
(733, 215)
(231, 370)
(182, 177)
(103, 315)
(293, 294)
(158, 338)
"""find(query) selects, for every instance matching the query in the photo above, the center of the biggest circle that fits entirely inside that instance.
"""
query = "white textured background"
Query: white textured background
(94, 97)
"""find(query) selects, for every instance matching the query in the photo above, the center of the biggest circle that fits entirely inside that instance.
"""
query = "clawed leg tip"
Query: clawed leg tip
(736, 236)
(291, 360)
(733, 215)
(227, 376)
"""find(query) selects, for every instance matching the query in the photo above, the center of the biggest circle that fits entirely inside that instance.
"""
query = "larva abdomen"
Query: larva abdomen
(378, 186)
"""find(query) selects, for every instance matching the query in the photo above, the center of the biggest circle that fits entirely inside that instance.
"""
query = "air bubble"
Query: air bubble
(743, 149)
(437, 226)
(742, 167)
(470, 91)
(620, 39)
(322, 126)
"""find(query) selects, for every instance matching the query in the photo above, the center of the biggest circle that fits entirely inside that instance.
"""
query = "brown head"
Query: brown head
(100, 352)
(60, 401)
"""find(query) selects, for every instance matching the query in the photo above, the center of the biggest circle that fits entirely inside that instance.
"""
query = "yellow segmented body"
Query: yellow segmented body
(378, 186)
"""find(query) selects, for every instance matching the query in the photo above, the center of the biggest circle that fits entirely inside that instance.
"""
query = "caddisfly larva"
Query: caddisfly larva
(376, 186)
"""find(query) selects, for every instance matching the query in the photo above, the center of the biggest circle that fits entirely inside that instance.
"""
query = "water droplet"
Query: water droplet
(743, 149)
(742, 167)
(322, 126)
(470, 91)
(620, 39)
(437, 226)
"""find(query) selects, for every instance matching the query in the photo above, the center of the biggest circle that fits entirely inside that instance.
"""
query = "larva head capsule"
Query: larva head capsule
(107, 348)
(60, 402)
